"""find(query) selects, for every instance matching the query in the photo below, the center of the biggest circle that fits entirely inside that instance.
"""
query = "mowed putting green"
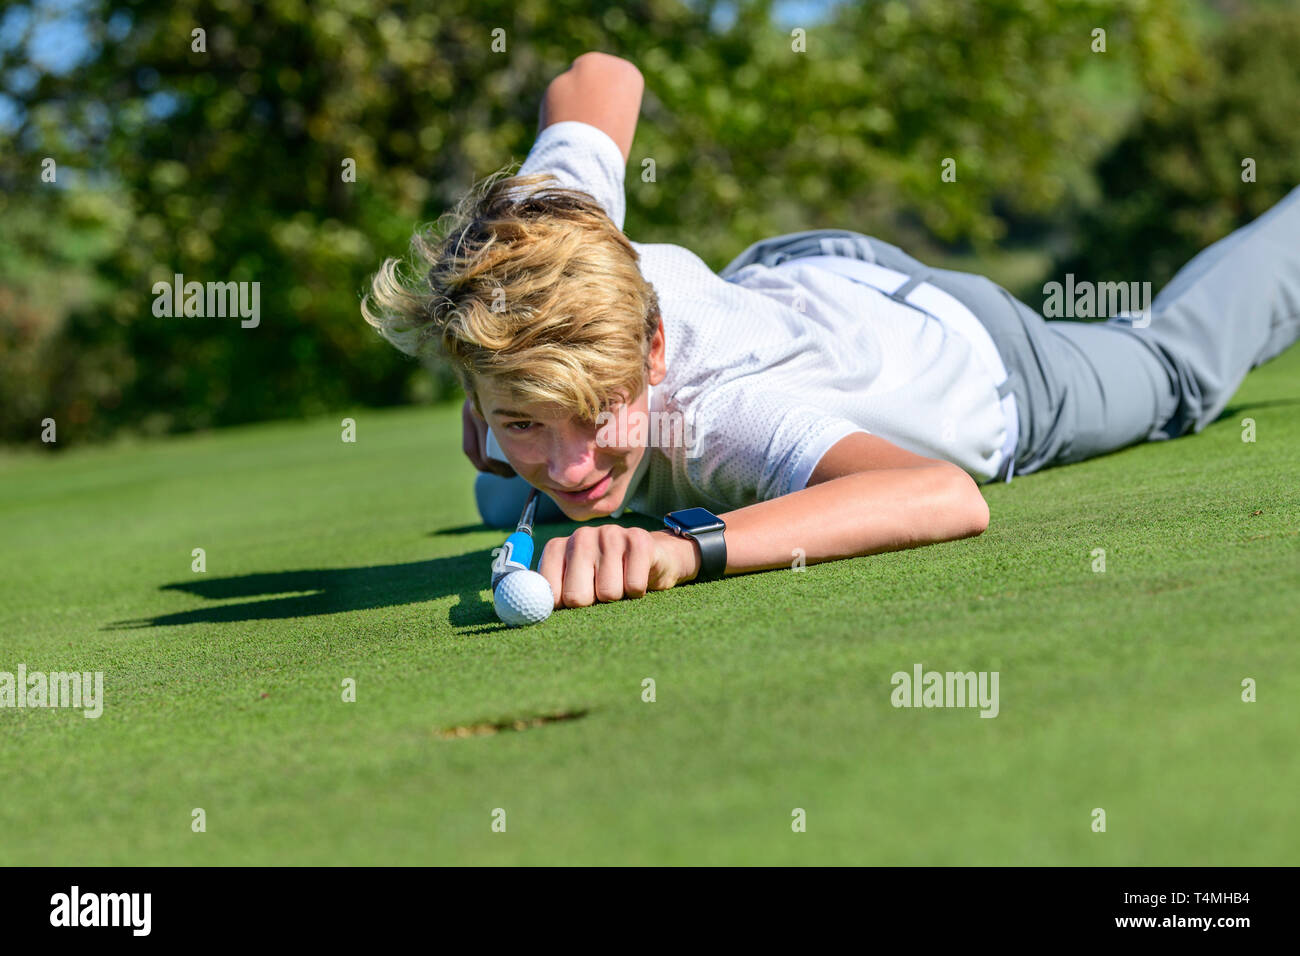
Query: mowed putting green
(329, 561)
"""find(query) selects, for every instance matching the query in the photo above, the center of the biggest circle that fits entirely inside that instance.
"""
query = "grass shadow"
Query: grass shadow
(459, 530)
(1234, 410)
(309, 592)
(314, 591)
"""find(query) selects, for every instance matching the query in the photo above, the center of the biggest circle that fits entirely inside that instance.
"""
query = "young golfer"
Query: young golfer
(825, 396)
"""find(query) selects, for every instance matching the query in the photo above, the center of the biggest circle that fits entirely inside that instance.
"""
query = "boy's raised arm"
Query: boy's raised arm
(601, 90)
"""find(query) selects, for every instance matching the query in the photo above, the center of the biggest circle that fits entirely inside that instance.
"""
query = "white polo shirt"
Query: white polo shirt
(768, 369)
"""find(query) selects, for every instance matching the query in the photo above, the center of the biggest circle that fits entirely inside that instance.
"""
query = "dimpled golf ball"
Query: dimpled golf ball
(522, 598)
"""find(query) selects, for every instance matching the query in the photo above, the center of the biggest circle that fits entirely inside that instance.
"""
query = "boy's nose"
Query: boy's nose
(571, 462)
(570, 476)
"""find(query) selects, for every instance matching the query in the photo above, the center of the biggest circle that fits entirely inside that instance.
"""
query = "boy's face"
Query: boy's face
(581, 466)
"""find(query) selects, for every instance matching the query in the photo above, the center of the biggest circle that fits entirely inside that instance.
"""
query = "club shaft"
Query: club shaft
(525, 525)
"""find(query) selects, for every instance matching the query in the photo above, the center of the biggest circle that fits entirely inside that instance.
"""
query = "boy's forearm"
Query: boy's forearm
(864, 513)
(601, 90)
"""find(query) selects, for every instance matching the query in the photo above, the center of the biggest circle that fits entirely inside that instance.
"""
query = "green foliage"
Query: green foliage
(1173, 184)
(239, 177)
(853, 132)
(225, 165)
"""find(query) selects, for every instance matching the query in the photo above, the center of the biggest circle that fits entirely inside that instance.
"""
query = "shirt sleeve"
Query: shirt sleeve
(582, 157)
(755, 446)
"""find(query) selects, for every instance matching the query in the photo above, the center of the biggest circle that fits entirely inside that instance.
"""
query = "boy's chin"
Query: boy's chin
(597, 509)
(587, 512)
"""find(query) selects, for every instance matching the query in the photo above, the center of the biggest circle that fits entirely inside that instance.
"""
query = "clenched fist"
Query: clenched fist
(609, 563)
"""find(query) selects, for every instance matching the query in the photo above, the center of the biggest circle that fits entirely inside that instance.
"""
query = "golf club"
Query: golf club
(517, 552)
(520, 595)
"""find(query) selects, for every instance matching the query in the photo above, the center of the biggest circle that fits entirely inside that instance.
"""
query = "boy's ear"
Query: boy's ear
(656, 361)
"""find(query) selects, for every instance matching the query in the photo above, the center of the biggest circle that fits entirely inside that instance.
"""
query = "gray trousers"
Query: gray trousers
(1086, 388)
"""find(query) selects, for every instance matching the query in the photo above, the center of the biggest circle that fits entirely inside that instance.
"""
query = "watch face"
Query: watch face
(694, 520)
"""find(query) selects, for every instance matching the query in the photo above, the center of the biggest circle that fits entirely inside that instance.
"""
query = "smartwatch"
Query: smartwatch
(707, 530)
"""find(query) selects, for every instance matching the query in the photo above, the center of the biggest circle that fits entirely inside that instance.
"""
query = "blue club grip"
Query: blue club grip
(515, 555)
(520, 546)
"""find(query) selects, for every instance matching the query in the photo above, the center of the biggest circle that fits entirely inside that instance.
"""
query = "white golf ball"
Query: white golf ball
(523, 597)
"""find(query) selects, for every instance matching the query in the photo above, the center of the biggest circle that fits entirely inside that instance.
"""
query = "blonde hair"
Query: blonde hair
(529, 284)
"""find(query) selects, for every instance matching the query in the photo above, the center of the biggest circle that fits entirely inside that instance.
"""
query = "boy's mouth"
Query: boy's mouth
(592, 492)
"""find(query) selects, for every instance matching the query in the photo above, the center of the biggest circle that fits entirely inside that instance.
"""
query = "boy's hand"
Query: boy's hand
(473, 441)
(600, 90)
(609, 563)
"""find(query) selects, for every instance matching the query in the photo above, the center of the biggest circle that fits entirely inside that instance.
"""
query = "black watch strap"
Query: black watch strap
(713, 554)
(708, 530)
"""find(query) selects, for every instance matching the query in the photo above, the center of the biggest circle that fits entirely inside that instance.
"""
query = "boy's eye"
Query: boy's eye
(519, 426)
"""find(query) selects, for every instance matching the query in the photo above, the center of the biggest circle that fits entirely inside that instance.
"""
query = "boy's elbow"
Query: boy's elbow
(970, 510)
(979, 515)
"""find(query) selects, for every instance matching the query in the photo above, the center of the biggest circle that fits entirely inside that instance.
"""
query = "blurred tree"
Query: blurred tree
(1174, 183)
(854, 132)
(225, 163)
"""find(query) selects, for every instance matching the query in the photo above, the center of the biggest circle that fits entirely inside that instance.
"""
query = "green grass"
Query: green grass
(326, 560)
